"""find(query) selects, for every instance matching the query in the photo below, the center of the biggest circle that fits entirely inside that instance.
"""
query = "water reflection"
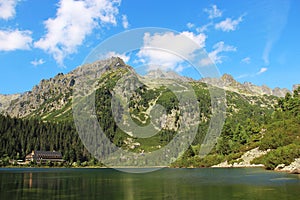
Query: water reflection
(164, 184)
(28, 179)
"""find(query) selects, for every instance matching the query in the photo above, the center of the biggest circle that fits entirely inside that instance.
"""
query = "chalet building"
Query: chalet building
(44, 156)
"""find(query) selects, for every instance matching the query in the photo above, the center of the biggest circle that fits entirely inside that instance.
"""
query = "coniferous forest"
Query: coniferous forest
(20, 136)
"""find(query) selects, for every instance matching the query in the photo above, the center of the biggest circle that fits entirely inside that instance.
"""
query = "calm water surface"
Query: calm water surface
(184, 184)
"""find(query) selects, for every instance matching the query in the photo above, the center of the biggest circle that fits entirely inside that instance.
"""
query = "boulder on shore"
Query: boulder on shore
(244, 160)
(293, 168)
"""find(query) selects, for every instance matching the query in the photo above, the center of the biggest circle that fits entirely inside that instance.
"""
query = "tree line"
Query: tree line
(18, 137)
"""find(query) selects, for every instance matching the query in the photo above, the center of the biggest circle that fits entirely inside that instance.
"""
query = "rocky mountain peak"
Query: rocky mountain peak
(56, 92)
(99, 66)
(296, 86)
(228, 79)
(161, 74)
(227, 82)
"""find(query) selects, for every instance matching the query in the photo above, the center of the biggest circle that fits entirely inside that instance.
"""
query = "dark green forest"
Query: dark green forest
(20, 136)
(282, 133)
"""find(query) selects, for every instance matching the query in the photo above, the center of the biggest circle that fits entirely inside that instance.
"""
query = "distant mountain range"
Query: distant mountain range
(55, 93)
(227, 82)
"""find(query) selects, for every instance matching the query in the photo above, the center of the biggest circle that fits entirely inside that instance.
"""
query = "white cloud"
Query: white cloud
(37, 62)
(11, 40)
(262, 70)
(125, 21)
(219, 48)
(206, 62)
(8, 8)
(74, 20)
(214, 57)
(213, 12)
(110, 54)
(246, 60)
(203, 28)
(190, 25)
(228, 24)
(267, 51)
(158, 49)
(276, 19)
(199, 39)
(243, 76)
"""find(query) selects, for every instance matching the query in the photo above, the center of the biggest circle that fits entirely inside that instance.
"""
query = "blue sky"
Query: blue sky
(255, 41)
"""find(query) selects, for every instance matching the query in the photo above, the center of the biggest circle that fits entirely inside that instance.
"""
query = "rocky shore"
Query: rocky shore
(293, 168)
(245, 160)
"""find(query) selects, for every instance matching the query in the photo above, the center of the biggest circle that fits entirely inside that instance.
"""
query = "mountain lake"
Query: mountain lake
(102, 183)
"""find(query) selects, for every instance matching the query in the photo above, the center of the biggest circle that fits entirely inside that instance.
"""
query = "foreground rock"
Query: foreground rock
(245, 160)
(293, 168)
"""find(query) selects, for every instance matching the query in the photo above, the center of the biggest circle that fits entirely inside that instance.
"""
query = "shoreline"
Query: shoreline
(297, 171)
(245, 161)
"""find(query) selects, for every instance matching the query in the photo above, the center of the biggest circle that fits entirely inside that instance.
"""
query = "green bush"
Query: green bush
(273, 140)
(283, 155)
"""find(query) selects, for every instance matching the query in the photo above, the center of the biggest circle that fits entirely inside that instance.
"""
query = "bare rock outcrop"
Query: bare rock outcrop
(227, 82)
(5, 101)
(296, 86)
(293, 168)
(245, 160)
(54, 93)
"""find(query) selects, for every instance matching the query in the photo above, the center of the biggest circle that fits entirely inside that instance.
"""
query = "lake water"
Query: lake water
(162, 184)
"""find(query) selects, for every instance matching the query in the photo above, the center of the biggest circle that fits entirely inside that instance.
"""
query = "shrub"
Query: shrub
(283, 155)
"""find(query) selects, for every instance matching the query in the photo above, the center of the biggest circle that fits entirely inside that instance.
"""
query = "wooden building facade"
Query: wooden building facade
(44, 156)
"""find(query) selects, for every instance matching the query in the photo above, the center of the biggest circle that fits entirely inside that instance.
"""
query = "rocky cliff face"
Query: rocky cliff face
(5, 101)
(55, 93)
(159, 74)
(227, 82)
(296, 86)
(47, 96)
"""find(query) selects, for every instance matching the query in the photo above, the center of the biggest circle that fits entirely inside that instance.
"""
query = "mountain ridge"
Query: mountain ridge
(55, 93)
(227, 82)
